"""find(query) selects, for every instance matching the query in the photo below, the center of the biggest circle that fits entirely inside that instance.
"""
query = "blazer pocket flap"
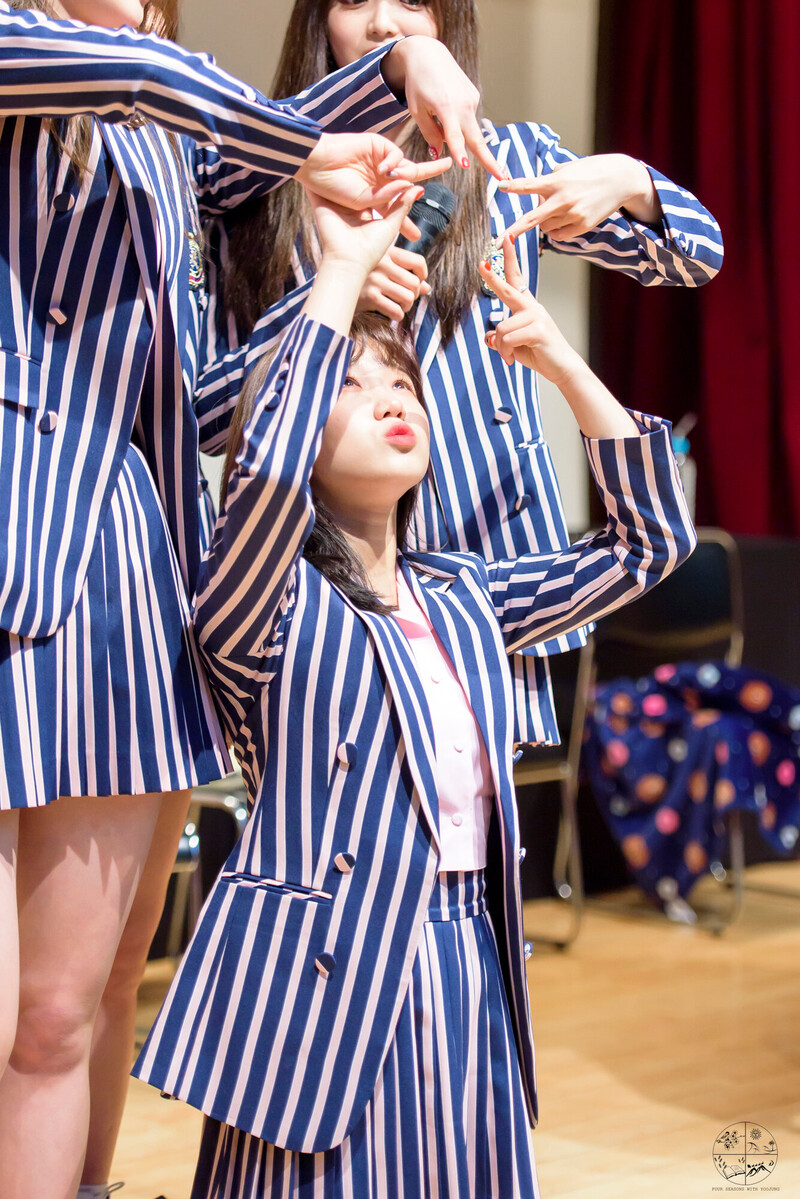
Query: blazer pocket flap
(20, 380)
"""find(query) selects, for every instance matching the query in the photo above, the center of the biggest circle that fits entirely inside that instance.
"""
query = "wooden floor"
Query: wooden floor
(651, 1039)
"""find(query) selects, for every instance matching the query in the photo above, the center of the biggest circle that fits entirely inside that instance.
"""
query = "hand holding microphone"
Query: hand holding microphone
(400, 278)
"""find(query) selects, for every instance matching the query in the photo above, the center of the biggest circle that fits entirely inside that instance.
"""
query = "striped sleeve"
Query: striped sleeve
(684, 248)
(354, 99)
(268, 514)
(220, 381)
(64, 68)
(648, 534)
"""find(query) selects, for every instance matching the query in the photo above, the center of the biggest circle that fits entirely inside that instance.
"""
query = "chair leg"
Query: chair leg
(567, 867)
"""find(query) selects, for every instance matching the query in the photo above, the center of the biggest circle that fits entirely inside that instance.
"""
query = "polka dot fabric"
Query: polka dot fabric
(670, 755)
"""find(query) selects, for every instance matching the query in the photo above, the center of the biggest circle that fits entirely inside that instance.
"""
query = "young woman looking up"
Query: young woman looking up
(352, 1011)
(492, 486)
(112, 142)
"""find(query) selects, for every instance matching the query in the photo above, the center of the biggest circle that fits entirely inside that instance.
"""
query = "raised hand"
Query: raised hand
(362, 170)
(395, 284)
(579, 195)
(352, 245)
(531, 337)
(441, 98)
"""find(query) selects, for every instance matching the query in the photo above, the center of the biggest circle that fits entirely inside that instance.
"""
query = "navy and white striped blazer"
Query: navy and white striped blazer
(492, 488)
(92, 337)
(286, 1000)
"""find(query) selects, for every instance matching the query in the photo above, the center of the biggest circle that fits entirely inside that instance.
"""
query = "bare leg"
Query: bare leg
(80, 861)
(115, 1026)
(9, 943)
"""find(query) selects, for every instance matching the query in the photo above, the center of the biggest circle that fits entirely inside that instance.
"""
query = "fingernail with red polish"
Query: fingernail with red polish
(465, 163)
(512, 238)
(433, 152)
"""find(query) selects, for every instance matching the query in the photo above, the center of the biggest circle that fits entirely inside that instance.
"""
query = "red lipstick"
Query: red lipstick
(400, 434)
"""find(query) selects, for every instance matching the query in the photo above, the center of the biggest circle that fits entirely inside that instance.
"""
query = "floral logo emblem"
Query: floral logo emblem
(745, 1153)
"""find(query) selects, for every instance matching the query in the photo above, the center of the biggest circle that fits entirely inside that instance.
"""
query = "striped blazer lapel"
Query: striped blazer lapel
(142, 209)
(462, 615)
(412, 707)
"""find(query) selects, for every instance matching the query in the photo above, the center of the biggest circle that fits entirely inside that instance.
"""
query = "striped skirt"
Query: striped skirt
(448, 1116)
(115, 701)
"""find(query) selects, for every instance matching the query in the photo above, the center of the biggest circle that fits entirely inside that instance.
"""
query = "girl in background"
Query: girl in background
(101, 694)
(492, 486)
(352, 1011)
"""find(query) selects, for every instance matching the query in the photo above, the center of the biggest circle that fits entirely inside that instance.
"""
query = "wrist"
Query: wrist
(393, 66)
(641, 198)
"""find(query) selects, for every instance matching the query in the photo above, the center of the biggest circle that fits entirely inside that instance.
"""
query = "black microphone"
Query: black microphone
(431, 214)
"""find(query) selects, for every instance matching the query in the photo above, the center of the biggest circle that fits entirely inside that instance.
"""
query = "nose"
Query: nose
(390, 403)
(383, 21)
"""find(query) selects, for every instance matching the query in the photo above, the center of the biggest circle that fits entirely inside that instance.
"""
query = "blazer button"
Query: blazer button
(272, 400)
(502, 416)
(528, 950)
(326, 964)
(522, 502)
(344, 862)
(64, 202)
(523, 853)
(347, 753)
(57, 316)
(48, 422)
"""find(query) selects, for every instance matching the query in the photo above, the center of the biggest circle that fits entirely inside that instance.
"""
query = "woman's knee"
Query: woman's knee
(53, 1034)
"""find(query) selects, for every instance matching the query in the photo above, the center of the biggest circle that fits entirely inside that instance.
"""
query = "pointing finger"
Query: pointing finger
(511, 265)
(538, 185)
(512, 298)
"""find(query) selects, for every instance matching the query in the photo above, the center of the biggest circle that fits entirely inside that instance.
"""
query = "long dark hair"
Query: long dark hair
(265, 231)
(73, 135)
(327, 547)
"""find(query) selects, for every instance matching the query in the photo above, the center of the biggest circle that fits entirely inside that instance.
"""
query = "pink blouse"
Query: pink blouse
(462, 767)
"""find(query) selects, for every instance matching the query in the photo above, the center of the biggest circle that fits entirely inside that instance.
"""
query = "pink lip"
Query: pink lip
(401, 434)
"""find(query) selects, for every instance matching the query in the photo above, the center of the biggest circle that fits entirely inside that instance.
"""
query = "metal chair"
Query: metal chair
(572, 681)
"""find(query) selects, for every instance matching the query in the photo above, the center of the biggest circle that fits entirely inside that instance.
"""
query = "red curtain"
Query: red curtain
(708, 91)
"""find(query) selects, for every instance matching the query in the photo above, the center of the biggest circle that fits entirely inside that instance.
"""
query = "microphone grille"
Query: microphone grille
(436, 206)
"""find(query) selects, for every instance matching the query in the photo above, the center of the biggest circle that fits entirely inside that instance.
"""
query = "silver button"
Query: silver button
(48, 422)
(457, 819)
(58, 316)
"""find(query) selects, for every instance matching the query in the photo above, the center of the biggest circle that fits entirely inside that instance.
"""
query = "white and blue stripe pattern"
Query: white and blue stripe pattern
(88, 286)
(288, 997)
(447, 1117)
(99, 348)
(492, 489)
(115, 702)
